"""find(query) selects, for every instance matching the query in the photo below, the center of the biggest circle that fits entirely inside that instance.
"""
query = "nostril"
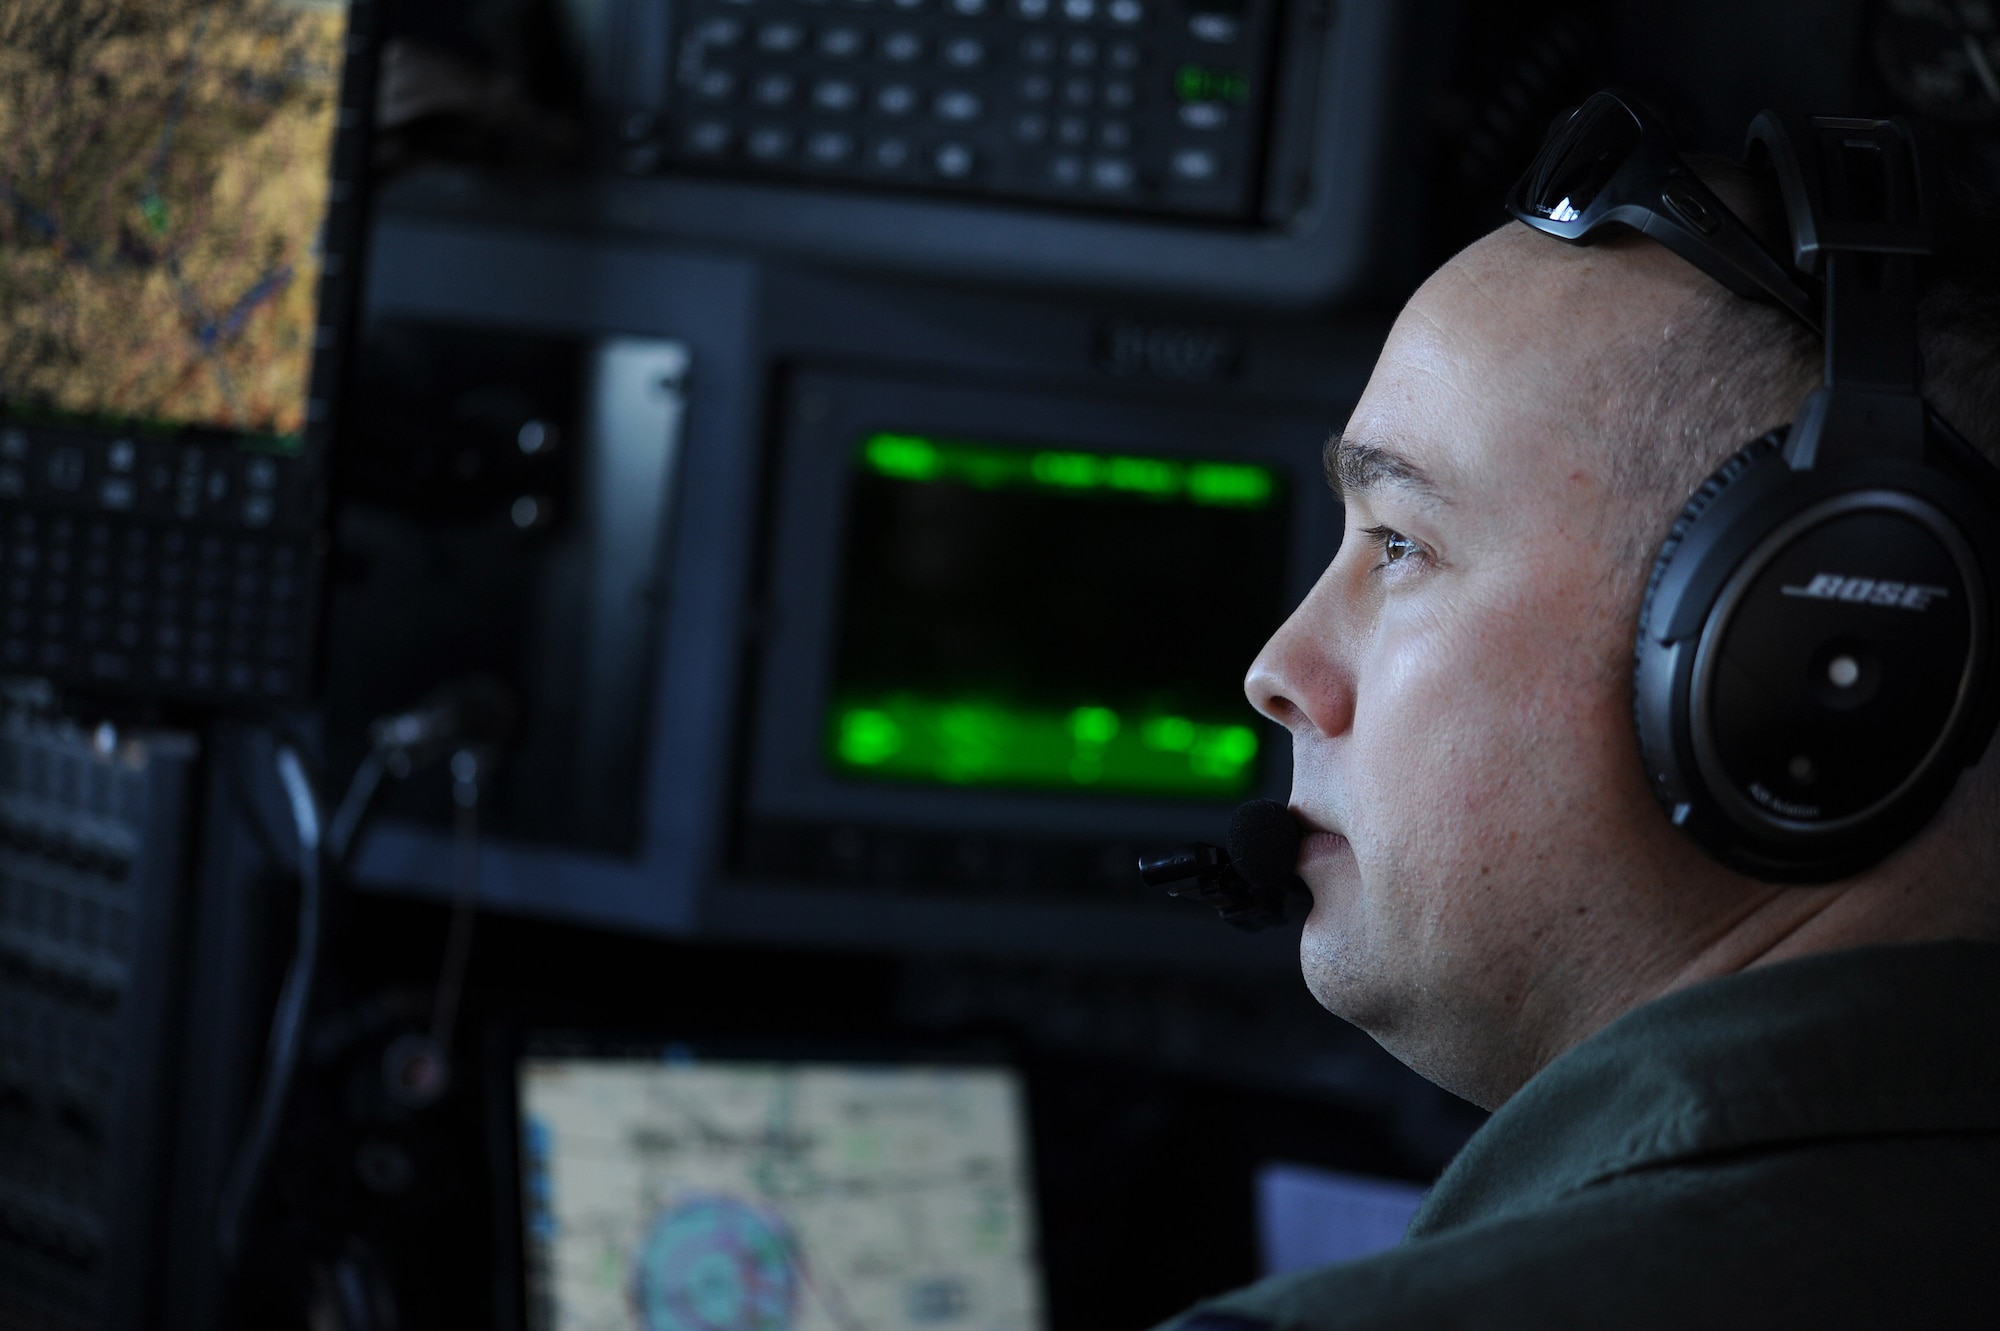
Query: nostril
(1280, 709)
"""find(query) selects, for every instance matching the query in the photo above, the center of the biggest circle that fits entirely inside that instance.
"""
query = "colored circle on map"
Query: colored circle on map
(715, 1264)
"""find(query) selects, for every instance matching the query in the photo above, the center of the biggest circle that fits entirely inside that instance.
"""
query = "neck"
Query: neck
(1943, 886)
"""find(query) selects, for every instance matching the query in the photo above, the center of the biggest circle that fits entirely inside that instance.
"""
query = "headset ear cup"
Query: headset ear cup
(1742, 742)
(1733, 469)
(1655, 698)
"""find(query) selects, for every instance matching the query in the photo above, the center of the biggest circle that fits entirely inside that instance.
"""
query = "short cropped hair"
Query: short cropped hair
(1733, 368)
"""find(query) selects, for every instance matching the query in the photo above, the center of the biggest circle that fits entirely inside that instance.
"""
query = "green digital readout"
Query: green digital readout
(971, 742)
(1199, 83)
(1011, 618)
(909, 457)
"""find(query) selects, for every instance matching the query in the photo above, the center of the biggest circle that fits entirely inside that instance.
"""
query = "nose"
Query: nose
(1300, 679)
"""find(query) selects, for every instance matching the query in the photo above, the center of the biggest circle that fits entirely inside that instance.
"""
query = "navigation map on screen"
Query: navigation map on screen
(775, 1197)
(164, 173)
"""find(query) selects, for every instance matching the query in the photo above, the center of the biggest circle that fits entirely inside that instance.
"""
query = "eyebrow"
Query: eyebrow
(1355, 465)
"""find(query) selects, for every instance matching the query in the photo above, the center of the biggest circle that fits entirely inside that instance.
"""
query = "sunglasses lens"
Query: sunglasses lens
(1580, 155)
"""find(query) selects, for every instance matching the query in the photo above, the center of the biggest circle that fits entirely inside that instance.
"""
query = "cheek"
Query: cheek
(1474, 741)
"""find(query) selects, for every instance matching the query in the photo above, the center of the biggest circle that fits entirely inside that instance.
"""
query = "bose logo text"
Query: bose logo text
(1867, 591)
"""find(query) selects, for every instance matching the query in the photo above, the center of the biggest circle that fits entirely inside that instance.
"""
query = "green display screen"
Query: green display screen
(1053, 619)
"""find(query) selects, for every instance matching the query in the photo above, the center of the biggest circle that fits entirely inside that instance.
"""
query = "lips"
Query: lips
(1318, 841)
(1317, 844)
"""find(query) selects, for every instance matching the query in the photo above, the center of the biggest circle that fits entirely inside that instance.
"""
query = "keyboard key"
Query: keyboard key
(709, 138)
(841, 43)
(1079, 11)
(1079, 92)
(1032, 127)
(715, 85)
(957, 105)
(1125, 13)
(1197, 166)
(720, 33)
(774, 90)
(969, 9)
(954, 161)
(1037, 88)
(781, 38)
(1031, 11)
(896, 99)
(1221, 29)
(1113, 174)
(902, 47)
(1115, 135)
(829, 147)
(1066, 170)
(1081, 52)
(1073, 131)
(1204, 115)
(1123, 56)
(1118, 94)
(770, 143)
(1038, 49)
(890, 154)
(836, 96)
(963, 53)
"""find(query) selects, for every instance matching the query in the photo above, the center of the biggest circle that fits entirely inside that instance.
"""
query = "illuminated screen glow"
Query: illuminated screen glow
(974, 743)
(689, 1195)
(161, 200)
(1053, 619)
(913, 458)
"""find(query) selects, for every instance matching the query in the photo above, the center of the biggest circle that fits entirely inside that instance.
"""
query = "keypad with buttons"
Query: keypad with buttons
(1144, 105)
(156, 566)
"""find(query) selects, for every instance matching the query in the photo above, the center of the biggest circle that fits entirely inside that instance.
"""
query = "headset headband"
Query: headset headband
(1862, 214)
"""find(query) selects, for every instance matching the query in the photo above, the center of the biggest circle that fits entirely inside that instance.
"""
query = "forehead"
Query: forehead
(1500, 364)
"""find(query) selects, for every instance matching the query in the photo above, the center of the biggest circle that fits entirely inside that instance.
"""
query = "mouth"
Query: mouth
(1317, 842)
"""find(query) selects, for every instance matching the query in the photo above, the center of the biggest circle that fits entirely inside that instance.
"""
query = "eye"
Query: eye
(1392, 545)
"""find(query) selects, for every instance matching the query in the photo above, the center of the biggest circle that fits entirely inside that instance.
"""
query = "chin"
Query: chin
(1346, 967)
(1336, 971)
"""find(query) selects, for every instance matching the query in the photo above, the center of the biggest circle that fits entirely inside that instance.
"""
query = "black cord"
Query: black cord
(466, 773)
(288, 1022)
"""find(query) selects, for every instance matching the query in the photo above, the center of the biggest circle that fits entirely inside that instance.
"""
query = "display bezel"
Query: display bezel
(508, 1043)
(825, 417)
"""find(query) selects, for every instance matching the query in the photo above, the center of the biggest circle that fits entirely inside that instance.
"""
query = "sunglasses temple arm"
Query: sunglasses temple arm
(1737, 261)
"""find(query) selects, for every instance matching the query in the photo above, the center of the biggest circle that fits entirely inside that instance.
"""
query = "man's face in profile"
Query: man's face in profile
(1479, 834)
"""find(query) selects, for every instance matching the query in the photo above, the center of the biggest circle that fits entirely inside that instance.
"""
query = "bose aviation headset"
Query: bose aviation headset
(1816, 639)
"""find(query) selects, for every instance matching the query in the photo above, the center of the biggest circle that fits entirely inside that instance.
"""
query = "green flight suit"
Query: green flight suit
(1810, 1144)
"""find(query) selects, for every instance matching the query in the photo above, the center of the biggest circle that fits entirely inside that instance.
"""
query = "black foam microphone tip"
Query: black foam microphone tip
(1264, 844)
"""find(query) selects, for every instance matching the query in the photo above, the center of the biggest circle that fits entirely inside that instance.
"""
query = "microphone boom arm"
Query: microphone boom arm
(1201, 872)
